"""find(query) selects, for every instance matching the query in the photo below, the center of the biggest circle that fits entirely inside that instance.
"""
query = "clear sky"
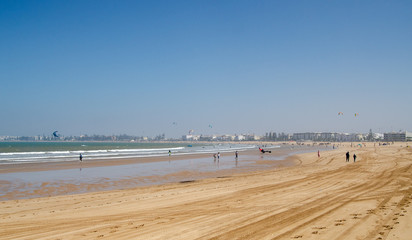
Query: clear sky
(135, 67)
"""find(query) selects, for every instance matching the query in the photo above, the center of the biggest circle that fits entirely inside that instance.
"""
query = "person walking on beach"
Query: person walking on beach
(347, 156)
(354, 157)
(81, 157)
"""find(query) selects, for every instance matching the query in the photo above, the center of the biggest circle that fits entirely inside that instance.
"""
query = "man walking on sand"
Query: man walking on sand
(347, 156)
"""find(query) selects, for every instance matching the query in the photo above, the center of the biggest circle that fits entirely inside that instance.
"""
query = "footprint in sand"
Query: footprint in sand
(319, 228)
(141, 225)
(340, 222)
(355, 215)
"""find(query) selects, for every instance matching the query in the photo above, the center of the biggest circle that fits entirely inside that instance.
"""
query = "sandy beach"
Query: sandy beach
(317, 198)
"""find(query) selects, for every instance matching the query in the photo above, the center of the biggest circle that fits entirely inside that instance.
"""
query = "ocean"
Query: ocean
(33, 152)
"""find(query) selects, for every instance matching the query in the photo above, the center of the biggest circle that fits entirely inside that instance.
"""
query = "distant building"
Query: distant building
(397, 136)
(187, 137)
(308, 136)
(239, 138)
(191, 137)
(378, 136)
(207, 138)
(327, 136)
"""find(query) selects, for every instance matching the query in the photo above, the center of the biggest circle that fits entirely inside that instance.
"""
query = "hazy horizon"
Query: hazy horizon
(214, 67)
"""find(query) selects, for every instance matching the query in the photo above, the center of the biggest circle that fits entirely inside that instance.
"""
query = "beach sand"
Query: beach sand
(318, 198)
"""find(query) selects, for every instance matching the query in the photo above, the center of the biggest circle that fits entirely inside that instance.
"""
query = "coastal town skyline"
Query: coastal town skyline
(268, 136)
(148, 68)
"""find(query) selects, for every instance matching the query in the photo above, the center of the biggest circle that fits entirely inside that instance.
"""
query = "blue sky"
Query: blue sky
(135, 67)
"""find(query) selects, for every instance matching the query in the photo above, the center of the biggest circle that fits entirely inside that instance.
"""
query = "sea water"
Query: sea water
(33, 152)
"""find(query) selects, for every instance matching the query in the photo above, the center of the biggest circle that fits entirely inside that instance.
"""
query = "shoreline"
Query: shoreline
(33, 180)
(48, 166)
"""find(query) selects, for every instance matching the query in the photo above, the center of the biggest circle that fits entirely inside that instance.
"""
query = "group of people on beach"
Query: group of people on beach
(218, 156)
(348, 156)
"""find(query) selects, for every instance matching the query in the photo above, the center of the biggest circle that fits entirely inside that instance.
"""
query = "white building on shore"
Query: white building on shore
(397, 136)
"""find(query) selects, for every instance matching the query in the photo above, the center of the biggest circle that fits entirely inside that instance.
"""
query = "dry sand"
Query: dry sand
(318, 198)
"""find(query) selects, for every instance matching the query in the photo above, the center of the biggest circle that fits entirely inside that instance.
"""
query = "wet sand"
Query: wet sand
(318, 198)
(51, 179)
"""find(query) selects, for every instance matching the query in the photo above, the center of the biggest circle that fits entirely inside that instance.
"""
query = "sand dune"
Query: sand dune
(318, 198)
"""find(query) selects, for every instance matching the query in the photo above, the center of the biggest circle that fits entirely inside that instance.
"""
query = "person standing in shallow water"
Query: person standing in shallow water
(354, 157)
(347, 156)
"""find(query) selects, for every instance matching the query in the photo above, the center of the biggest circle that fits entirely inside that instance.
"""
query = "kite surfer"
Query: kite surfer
(263, 151)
